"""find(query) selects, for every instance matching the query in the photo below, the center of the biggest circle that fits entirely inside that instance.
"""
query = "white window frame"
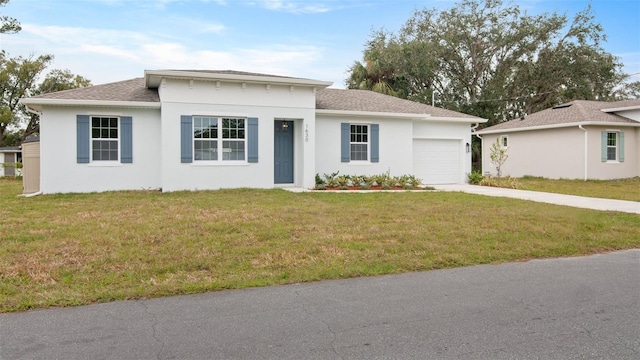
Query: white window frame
(367, 143)
(220, 140)
(504, 141)
(92, 139)
(616, 146)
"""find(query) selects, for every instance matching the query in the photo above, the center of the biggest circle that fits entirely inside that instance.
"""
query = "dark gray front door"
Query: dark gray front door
(283, 152)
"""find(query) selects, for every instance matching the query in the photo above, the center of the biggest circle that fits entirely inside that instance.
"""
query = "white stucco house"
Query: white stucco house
(577, 140)
(188, 130)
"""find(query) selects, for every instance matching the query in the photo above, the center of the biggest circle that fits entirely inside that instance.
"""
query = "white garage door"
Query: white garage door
(437, 161)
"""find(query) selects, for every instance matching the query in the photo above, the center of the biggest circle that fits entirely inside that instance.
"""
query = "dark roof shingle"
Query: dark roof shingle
(572, 112)
(127, 90)
(327, 99)
(364, 100)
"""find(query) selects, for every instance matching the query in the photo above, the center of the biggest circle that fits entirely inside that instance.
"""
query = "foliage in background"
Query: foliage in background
(8, 25)
(492, 60)
(18, 77)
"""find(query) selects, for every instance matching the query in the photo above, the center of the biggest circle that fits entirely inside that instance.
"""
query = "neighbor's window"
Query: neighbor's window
(612, 146)
(104, 138)
(213, 136)
(504, 141)
(359, 144)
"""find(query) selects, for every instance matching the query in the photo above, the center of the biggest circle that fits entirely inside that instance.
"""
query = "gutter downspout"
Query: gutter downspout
(585, 150)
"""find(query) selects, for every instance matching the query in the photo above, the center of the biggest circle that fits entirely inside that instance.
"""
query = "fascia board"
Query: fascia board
(557, 126)
(154, 77)
(387, 115)
(626, 108)
(38, 103)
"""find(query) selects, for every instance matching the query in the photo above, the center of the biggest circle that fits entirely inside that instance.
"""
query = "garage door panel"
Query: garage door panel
(437, 161)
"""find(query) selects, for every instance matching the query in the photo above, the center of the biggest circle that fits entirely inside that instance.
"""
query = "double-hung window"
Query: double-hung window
(359, 142)
(217, 139)
(612, 146)
(104, 138)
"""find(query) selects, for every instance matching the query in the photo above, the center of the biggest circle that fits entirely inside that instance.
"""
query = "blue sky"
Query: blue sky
(112, 40)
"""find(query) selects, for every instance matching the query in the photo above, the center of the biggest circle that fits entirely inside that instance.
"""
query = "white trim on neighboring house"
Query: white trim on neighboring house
(556, 126)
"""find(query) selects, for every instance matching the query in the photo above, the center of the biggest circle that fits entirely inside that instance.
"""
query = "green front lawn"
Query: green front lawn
(62, 250)
(624, 189)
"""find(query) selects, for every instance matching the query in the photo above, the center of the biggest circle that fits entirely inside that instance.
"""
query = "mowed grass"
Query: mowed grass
(623, 189)
(74, 249)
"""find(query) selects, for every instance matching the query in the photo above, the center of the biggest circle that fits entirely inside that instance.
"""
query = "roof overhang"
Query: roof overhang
(391, 115)
(624, 108)
(556, 126)
(38, 103)
(153, 78)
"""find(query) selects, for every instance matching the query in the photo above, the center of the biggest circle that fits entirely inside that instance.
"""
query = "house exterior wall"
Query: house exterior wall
(554, 154)
(442, 130)
(630, 167)
(60, 172)
(265, 102)
(560, 153)
(631, 114)
(395, 140)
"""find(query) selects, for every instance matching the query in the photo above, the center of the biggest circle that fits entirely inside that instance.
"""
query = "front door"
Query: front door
(283, 152)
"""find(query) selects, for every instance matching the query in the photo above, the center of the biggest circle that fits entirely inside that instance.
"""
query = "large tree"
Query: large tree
(17, 78)
(493, 60)
(56, 80)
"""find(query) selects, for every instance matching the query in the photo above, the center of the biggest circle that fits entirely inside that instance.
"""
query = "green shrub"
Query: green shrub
(475, 177)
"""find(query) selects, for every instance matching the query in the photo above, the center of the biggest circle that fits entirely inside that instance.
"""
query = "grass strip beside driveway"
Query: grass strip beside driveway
(623, 189)
(73, 249)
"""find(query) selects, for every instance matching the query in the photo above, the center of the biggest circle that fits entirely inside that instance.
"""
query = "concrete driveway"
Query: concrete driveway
(570, 308)
(550, 198)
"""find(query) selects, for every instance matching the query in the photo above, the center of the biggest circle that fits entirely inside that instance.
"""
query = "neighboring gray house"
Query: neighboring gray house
(9, 157)
(577, 140)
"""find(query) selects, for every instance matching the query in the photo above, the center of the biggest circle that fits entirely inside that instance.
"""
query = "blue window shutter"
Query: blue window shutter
(621, 147)
(82, 138)
(126, 140)
(603, 146)
(186, 139)
(252, 138)
(345, 133)
(375, 143)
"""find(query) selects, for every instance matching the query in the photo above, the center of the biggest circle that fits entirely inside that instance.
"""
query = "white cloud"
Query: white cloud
(295, 7)
(108, 55)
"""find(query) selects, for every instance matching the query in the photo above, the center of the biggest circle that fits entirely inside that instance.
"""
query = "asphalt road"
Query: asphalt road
(572, 308)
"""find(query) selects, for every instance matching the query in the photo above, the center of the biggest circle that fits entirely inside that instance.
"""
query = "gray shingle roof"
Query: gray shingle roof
(572, 112)
(364, 100)
(127, 90)
(326, 99)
